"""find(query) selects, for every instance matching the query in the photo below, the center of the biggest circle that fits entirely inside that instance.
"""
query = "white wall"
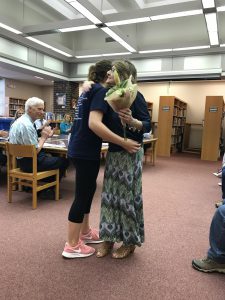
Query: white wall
(193, 93)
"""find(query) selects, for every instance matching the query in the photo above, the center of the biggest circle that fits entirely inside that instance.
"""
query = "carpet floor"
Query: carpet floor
(179, 196)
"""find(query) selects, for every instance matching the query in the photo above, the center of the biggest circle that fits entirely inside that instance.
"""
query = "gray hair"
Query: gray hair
(34, 101)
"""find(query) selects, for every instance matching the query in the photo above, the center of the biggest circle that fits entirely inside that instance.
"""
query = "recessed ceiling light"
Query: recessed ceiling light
(78, 28)
(155, 51)
(48, 46)
(129, 21)
(177, 15)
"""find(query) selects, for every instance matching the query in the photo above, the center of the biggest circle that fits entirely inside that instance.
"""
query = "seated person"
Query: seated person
(39, 124)
(222, 184)
(24, 132)
(18, 114)
(3, 157)
(215, 259)
(66, 124)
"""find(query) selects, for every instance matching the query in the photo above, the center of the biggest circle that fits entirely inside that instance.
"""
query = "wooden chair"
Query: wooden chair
(17, 177)
(151, 152)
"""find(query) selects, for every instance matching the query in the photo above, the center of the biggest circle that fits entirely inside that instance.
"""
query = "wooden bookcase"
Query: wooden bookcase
(171, 122)
(212, 129)
(14, 104)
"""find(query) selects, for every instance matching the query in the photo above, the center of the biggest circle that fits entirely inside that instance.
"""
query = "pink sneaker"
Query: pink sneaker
(81, 250)
(92, 237)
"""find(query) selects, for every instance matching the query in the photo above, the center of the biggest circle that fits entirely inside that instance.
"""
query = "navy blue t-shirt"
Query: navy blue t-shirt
(84, 143)
(139, 111)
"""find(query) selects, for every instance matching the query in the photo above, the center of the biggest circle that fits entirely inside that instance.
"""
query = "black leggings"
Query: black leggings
(85, 186)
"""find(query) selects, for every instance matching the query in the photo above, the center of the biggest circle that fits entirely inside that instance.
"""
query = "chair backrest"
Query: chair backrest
(14, 150)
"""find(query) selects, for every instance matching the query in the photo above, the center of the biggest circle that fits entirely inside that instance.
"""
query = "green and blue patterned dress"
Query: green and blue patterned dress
(122, 206)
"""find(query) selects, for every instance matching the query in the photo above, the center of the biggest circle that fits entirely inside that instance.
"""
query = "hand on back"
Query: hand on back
(131, 146)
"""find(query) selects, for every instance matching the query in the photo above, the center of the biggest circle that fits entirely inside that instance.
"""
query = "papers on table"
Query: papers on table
(55, 144)
(105, 144)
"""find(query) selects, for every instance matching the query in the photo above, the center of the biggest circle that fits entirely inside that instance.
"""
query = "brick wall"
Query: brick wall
(68, 88)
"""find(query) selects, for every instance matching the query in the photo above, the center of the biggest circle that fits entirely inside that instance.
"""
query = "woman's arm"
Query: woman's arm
(96, 125)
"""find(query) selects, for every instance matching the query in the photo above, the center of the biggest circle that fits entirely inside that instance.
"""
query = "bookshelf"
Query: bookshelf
(14, 104)
(171, 122)
(212, 129)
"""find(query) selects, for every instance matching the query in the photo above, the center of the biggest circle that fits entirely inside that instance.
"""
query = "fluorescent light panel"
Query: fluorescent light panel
(174, 49)
(208, 3)
(87, 56)
(221, 8)
(78, 28)
(191, 48)
(10, 28)
(84, 11)
(100, 55)
(213, 38)
(129, 21)
(115, 54)
(118, 39)
(177, 15)
(211, 21)
(155, 51)
(48, 46)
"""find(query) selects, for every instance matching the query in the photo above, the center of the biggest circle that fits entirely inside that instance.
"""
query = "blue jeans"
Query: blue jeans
(223, 185)
(217, 236)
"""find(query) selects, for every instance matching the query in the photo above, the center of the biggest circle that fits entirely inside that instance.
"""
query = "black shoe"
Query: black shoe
(48, 194)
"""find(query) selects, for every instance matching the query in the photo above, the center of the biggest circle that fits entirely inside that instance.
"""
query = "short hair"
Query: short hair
(33, 101)
(98, 71)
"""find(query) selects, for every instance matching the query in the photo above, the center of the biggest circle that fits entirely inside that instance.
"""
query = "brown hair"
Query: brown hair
(98, 72)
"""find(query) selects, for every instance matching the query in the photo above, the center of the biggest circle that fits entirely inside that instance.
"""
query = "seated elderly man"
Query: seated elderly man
(24, 132)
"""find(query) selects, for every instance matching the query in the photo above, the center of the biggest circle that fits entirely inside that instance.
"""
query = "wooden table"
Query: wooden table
(62, 151)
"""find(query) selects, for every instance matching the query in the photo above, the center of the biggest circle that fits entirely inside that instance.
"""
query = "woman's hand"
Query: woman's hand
(131, 146)
(4, 133)
(125, 115)
(87, 85)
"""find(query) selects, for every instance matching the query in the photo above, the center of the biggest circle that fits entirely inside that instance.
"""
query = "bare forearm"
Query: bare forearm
(40, 144)
(106, 134)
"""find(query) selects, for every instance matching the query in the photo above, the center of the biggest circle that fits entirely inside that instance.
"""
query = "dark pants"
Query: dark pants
(45, 163)
(85, 186)
(3, 159)
(223, 184)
